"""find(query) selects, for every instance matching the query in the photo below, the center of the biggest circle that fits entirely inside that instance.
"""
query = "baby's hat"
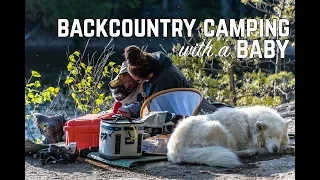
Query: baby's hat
(117, 81)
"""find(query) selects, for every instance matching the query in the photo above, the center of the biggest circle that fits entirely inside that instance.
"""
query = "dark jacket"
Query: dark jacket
(165, 74)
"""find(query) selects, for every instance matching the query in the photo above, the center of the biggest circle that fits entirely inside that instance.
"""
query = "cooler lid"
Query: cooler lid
(118, 119)
(110, 121)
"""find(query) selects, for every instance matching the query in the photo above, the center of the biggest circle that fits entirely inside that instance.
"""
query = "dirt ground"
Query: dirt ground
(272, 166)
(275, 166)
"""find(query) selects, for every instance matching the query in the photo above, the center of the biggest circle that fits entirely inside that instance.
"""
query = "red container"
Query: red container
(85, 130)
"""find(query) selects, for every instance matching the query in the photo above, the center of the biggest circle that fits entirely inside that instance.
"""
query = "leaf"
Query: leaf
(89, 79)
(27, 102)
(46, 96)
(30, 95)
(35, 74)
(70, 66)
(50, 89)
(101, 95)
(69, 80)
(107, 98)
(96, 110)
(74, 71)
(83, 65)
(99, 86)
(89, 69)
(74, 96)
(77, 53)
(80, 106)
(98, 101)
(57, 89)
(83, 99)
(105, 70)
(116, 70)
(37, 84)
(28, 116)
(83, 82)
(37, 99)
(111, 64)
(71, 58)
(85, 108)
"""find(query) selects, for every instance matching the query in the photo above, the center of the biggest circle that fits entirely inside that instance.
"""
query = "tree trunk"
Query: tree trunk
(278, 58)
(232, 86)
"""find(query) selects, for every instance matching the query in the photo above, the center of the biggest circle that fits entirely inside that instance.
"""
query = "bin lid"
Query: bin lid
(88, 120)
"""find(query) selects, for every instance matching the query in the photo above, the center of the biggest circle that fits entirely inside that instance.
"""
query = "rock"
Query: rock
(31, 147)
(50, 126)
(286, 110)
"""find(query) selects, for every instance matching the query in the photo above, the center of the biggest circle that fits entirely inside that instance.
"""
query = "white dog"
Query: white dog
(218, 139)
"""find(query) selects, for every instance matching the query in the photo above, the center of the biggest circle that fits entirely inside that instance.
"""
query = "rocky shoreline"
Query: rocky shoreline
(272, 166)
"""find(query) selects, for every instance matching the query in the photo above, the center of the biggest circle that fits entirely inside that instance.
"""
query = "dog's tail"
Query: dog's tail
(212, 156)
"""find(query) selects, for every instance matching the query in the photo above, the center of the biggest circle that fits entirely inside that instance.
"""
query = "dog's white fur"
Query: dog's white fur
(219, 139)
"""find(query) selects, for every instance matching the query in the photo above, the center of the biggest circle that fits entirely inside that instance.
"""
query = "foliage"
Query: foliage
(217, 9)
(257, 88)
(251, 88)
(85, 83)
(239, 82)
(35, 94)
(277, 9)
(274, 8)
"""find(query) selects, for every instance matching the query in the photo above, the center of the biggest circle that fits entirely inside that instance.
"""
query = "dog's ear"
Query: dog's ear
(261, 126)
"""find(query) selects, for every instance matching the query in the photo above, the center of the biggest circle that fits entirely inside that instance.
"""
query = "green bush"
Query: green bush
(230, 80)
(84, 83)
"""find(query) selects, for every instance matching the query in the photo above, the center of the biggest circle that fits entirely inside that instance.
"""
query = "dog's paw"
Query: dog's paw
(262, 150)
(246, 153)
(287, 149)
(251, 152)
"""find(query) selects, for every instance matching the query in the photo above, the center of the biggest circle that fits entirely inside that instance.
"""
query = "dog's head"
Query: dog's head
(271, 133)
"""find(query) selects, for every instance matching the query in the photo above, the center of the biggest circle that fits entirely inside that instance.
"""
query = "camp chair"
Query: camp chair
(182, 101)
(179, 101)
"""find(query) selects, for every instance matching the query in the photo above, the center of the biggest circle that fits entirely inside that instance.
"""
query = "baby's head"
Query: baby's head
(127, 81)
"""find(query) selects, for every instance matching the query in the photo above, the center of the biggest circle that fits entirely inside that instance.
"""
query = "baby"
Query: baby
(126, 92)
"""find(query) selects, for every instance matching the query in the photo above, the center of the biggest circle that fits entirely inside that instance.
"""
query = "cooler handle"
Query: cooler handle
(135, 132)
